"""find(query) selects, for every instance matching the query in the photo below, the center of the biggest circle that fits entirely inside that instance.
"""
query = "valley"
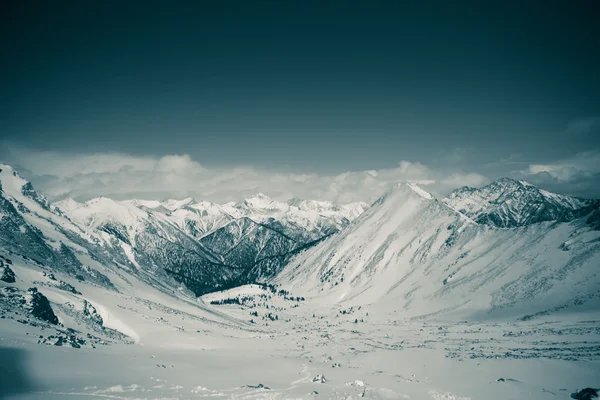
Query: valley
(469, 297)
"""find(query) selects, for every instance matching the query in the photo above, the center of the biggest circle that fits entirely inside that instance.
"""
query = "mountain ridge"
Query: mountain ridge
(508, 203)
(175, 237)
(417, 254)
(309, 244)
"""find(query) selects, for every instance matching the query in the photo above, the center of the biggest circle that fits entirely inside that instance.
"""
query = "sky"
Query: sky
(159, 99)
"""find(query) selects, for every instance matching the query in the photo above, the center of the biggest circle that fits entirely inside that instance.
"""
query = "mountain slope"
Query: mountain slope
(208, 246)
(508, 203)
(152, 241)
(30, 227)
(413, 253)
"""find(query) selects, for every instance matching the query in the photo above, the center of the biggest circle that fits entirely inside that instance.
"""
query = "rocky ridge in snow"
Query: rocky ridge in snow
(508, 203)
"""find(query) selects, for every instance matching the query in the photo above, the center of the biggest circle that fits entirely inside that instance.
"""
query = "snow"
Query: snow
(403, 249)
(111, 321)
(67, 205)
(508, 203)
(419, 191)
(130, 254)
(47, 221)
(190, 351)
(377, 319)
(144, 203)
(173, 204)
(240, 291)
(526, 183)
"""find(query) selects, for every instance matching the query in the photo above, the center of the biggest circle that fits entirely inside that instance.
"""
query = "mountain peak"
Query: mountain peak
(260, 195)
(505, 179)
(10, 177)
(418, 190)
(67, 205)
(524, 183)
(174, 204)
(507, 203)
(260, 201)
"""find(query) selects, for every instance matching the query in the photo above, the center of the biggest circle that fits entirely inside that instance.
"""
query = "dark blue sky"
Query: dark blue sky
(314, 86)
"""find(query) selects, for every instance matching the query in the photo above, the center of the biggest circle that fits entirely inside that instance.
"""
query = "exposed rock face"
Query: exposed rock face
(90, 312)
(585, 394)
(507, 203)
(32, 228)
(40, 307)
(205, 246)
(6, 274)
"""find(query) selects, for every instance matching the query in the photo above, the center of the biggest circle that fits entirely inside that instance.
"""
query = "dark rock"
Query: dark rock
(68, 287)
(6, 274)
(90, 312)
(49, 276)
(259, 386)
(585, 394)
(40, 307)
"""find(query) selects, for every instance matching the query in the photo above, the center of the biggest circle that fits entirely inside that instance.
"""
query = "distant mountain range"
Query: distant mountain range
(508, 203)
(498, 248)
(204, 245)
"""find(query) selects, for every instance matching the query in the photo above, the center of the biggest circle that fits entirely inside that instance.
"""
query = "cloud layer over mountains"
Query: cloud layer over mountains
(124, 176)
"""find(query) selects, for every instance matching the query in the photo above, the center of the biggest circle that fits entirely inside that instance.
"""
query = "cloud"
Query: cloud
(582, 164)
(577, 175)
(124, 176)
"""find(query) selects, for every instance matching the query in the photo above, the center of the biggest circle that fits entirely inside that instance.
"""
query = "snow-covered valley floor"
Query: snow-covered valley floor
(295, 350)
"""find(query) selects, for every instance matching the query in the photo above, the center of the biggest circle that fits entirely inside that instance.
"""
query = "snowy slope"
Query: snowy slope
(336, 329)
(509, 203)
(206, 245)
(154, 241)
(414, 254)
(31, 227)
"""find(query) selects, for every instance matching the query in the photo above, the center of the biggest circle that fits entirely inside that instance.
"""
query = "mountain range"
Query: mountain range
(205, 246)
(475, 252)
(508, 247)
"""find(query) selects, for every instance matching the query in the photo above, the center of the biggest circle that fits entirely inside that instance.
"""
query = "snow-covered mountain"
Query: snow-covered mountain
(32, 228)
(508, 246)
(414, 253)
(206, 245)
(509, 203)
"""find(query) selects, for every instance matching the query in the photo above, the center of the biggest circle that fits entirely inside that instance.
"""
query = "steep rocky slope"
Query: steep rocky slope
(411, 252)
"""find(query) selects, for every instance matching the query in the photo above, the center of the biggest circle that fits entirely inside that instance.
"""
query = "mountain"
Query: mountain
(414, 253)
(508, 203)
(208, 246)
(303, 220)
(507, 248)
(31, 228)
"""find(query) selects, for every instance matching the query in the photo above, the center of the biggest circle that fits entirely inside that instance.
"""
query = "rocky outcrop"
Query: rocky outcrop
(40, 307)
(6, 274)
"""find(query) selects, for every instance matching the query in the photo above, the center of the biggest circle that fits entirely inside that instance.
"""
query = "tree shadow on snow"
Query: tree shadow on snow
(14, 377)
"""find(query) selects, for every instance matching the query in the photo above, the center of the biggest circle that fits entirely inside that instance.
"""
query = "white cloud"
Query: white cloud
(578, 175)
(123, 176)
(566, 170)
